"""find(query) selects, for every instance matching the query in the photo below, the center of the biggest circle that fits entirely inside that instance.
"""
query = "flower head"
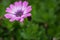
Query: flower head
(18, 11)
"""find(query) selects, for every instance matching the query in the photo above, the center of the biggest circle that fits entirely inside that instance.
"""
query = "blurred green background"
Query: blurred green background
(44, 24)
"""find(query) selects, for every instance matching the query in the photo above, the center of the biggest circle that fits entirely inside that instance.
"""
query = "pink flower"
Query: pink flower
(18, 11)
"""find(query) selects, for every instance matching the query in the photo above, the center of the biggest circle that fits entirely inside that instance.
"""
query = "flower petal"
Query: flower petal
(13, 18)
(28, 14)
(16, 4)
(8, 15)
(28, 9)
(23, 16)
(17, 18)
(22, 19)
(20, 3)
(13, 8)
(25, 4)
(9, 10)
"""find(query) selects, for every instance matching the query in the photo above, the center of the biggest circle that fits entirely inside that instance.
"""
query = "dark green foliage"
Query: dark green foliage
(44, 24)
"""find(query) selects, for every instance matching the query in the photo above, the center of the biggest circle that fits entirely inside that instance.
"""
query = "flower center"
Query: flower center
(19, 13)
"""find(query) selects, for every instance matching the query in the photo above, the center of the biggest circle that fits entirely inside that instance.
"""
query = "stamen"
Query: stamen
(19, 13)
